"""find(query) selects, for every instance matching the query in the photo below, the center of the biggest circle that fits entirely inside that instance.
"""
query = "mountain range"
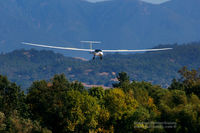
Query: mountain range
(119, 24)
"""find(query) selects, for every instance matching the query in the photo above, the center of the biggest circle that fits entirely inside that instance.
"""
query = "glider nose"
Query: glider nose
(101, 53)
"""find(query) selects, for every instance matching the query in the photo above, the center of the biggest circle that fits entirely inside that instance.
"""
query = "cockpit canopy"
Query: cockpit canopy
(98, 50)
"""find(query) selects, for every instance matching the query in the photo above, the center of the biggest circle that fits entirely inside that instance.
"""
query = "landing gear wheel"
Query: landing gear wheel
(101, 57)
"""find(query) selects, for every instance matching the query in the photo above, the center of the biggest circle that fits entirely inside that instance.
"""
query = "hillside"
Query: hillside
(130, 24)
(25, 66)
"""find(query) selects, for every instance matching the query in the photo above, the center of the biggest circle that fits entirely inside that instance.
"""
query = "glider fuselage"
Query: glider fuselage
(97, 52)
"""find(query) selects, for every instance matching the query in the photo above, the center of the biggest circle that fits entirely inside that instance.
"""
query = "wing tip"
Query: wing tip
(25, 43)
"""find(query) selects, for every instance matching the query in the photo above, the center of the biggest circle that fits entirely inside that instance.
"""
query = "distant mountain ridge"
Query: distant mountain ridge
(130, 24)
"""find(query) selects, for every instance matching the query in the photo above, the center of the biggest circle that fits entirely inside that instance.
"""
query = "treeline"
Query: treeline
(61, 106)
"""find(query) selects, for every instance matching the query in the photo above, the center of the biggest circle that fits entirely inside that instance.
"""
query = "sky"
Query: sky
(150, 1)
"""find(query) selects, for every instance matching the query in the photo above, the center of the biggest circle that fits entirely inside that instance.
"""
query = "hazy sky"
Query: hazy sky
(151, 1)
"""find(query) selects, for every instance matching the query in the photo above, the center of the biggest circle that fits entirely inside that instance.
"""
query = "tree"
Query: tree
(189, 81)
(124, 81)
(176, 107)
(70, 109)
(16, 124)
(97, 92)
(120, 106)
(11, 97)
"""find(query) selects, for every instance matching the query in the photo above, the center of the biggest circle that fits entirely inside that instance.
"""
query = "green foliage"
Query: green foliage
(120, 105)
(98, 92)
(176, 106)
(2, 122)
(11, 97)
(124, 81)
(189, 81)
(16, 124)
(70, 110)
(14, 110)
(58, 105)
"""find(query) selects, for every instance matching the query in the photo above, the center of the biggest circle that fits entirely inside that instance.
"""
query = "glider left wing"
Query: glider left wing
(56, 47)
